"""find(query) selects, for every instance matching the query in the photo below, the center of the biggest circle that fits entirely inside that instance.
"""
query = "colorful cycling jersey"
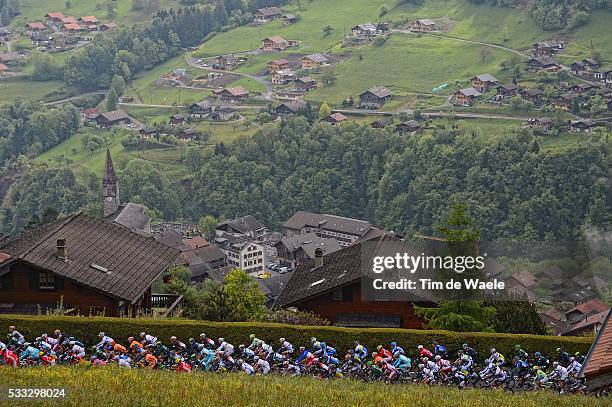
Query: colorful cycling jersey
(10, 358)
(466, 364)
(124, 361)
(497, 358)
(541, 375)
(397, 350)
(439, 350)
(246, 368)
(384, 354)
(361, 352)
(17, 337)
(151, 360)
(30, 353)
(574, 367)
(402, 362)
(256, 343)
(106, 341)
(119, 348)
(425, 353)
(149, 340)
(78, 351)
(306, 355)
(286, 347)
(248, 353)
(226, 347)
(560, 372)
(263, 365)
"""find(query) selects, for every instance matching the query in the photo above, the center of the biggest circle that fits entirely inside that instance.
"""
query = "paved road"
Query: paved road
(82, 95)
(465, 115)
(269, 89)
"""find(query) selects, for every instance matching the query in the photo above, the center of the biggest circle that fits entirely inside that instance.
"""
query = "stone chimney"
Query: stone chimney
(318, 257)
(61, 252)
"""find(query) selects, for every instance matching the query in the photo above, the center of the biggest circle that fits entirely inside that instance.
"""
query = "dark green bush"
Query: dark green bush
(87, 329)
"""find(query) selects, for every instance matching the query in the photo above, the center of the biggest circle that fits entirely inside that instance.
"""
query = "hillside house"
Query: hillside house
(235, 94)
(374, 98)
(482, 83)
(582, 126)
(242, 252)
(289, 19)
(55, 18)
(590, 64)
(543, 124)
(275, 43)
(148, 132)
(93, 266)
(465, 97)
(293, 251)
(200, 109)
(603, 75)
(382, 123)
(582, 88)
(283, 77)
(521, 283)
(267, 14)
(187, 134)
(277, 65)
(408, 127)
(71, 28)
(41, 40)
(313, 61)
(565, 101)
(305, 84)
(178, 119)
(226, 62)
(331, 286)
(223, 113)
(108, 26)
(553, 319)
(578, 68)
(112, 118)
(506, 91)
(10, 58)
(5, 34)
(335, 118)
(247, 225)
(584, 310)
(542, 64)
(35, 28)
(424, 24)
(290, 108)
(533, 95)
(367, 30)
(346, 231)
(89, 22)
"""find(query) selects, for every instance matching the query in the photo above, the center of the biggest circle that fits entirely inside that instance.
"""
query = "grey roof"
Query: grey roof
(306, 79)
(209, 253)
(509, 86)
(133, 216)
(335, 223)
(269, 11)
(309, 242)
(114, 115)
(244, 224)
(295, 105)
(378, 91)
(340, 268)
(366, 27)
(173, 239)
(204, 104)
(272, 286)
(133, 261)
(110, 177)
(469, 92)
(9, 56)
(486, 77)
(319, 58)
(225, 109)
(426, 21)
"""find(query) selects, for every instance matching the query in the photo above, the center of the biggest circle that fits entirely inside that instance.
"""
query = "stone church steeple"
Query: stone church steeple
(111, 187)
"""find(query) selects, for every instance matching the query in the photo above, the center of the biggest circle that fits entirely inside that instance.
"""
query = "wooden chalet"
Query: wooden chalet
(506, 91)
(178, 119)
(409, 127)
(289, 19)
(482, 83)
(10, 58)
(313, 61)
(424, 24)
(200, 109)
(283, 77)
(226, 62)
(534, 95)
(278, 65)
(330, 285)
(465, 97)
(35, 28)
(95, 267)
(148, 132)
(375, 97)
(266, 14)
(565, 101)
(335, 118)
(542, 64)
(543, 124)
(367, 30)
(188, 134)
(582, 87)
(55, 18)
(275, 43)
(305, 84)
(582, 125)
(112, 118)
(108, 26)
(224, 113)
(290, 108)
(235, 94)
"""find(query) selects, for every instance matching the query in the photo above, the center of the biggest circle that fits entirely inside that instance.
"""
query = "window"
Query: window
(46, 281)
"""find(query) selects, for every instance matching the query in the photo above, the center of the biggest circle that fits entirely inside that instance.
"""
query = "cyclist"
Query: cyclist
(424, 352)
(147, 340)
(520, 352)
(541, 378)
(10, 357)
(541, 360)
(225, 347)
(150, 360)
(563, 356)
(396, 349)
(471, 352)
(574, 367)
(124, 361)
(389, 372)
(77, 349)
(361, 352)
(177, 345)
(15, 337)
(384, 354)
(206, 341)
(580, 358)
(402, 363)
(306, 357)
(207, 356)
(497, 358)
(560, 375)
(439, 349)
(261, 365)
(245, 367)
(246, 352)
(255, 342)
(286, 348)
(444, 365)
(30, 353)
(105, 341)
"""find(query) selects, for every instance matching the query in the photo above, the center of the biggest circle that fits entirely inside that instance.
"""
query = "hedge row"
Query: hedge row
(87, 329)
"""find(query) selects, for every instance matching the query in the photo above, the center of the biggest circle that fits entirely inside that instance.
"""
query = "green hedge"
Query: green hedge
(87, 329)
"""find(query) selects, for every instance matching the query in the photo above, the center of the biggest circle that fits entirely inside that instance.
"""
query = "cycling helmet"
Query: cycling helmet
(221, 340)
(302, 349)
(394, 344)
(323, 344)
(143, 334)
(572, 359)
(131, 339)
(379, 347)
(425, 359)
(493, 351)
(313, 339)
(173, 338)
(71, 343)
(558, 349)
(281, 340)
(555, 364)
(538, 354)
(255, 358)
(45, 336)
(536, 368)
(517, 346)
(241, 347)
(252, 336)
(57, 332)
(240, 361)
(101, 334)
(465, 345)
(373, 354)
(465, 357)
(577, 354)
(421, 366)
(26, 344)
(420, 347)
(438, 357)
(191, 340)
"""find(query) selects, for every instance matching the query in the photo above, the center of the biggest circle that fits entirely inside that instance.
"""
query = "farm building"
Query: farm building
(543, 63)
(424, 24)
(582, 126)
(283, 77)
(408, 127)
(506, 91)
(275, 43)
(224, 113)
(466, 97)
(565, 101)
(482, 83)
(335, 118)
(313, 61)
(93, 266)
(200, 109)
(226, 62)
(112, 118)
(278, 65)
(374, 98)
(305, 84)
(290, 108)
(364, 30)
(266, 14)
(236, 94)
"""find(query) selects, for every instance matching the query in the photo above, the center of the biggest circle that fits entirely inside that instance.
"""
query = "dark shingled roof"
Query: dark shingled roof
(378, 91)
(133, 216)
(244, 224)
(133, 261)
(331, 222)
(340, 268)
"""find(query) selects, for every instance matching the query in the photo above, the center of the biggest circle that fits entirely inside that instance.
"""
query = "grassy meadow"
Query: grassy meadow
(110, 386)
